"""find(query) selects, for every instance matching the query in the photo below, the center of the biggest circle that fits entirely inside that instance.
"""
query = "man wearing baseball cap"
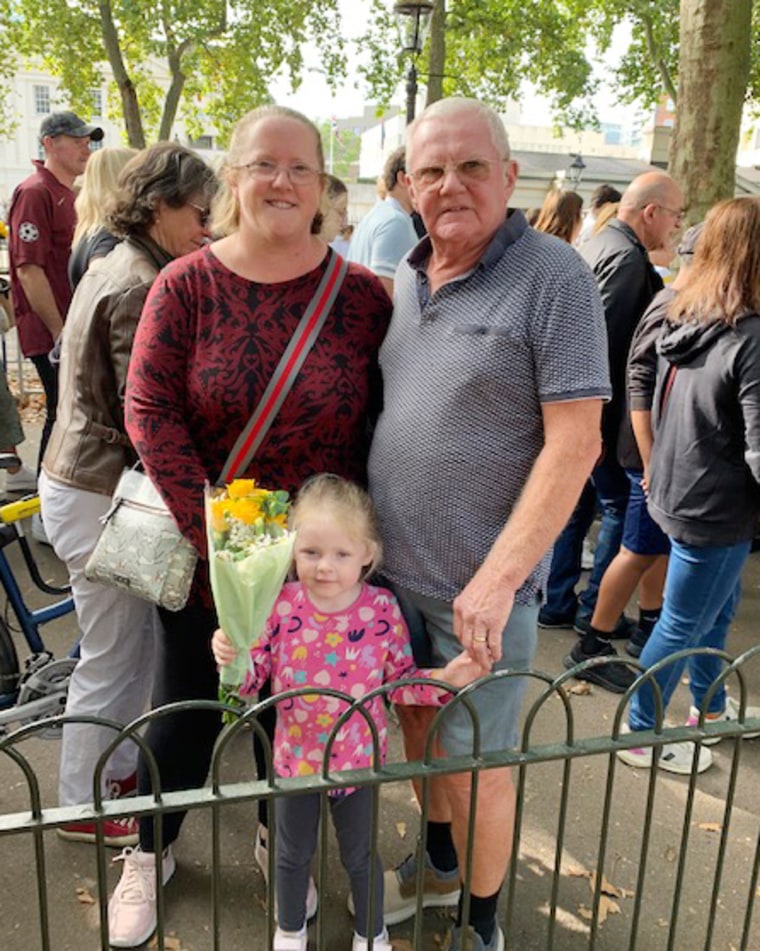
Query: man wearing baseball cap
(42, 219)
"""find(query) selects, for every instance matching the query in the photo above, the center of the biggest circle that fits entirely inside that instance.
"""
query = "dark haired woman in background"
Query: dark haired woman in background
(160, 210)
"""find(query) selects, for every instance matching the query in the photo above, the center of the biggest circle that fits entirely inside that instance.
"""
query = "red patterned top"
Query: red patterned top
(206, 347)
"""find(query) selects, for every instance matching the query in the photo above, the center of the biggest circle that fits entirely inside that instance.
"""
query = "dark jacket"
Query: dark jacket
(642, 374)
(705, 465)
(627, 283)
(89, 447)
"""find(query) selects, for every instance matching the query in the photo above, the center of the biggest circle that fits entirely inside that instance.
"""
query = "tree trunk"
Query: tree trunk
(173, 95)
(437, 52)
(127, 91)
(714, 65)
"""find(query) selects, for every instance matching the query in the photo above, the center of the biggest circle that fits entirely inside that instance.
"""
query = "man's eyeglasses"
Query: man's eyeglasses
(471, 171)
(204, 215)
(677, 213)
(299, 174)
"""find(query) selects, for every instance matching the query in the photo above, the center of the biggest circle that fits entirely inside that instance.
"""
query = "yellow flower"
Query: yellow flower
(324, 719)
(333, 639)
(240, 488)
(304, 769)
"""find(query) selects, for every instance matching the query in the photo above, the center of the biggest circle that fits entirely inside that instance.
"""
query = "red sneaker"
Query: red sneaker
(120, 788)
(116, 832)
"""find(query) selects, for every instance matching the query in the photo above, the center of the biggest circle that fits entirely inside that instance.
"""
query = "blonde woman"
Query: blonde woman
(92, 239)
(211, 334)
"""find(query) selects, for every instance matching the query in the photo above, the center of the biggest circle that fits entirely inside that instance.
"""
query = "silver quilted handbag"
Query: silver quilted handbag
(140, 549)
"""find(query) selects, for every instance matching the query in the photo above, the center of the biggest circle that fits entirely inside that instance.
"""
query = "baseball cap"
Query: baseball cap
(689, 240)
(68, 123)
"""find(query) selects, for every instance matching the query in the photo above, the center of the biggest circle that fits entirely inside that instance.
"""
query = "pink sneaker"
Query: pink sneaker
(116, 832)
(132, 907)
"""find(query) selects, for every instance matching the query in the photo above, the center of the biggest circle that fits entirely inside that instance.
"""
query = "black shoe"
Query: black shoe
(555, 622)
(623, 629)
(638, 639)
(615, 677)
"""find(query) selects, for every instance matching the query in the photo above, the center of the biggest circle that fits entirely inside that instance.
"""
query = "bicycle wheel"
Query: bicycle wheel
(9, 669)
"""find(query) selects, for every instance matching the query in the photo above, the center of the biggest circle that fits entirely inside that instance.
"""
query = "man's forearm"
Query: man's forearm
(572, 443)
(39, 294)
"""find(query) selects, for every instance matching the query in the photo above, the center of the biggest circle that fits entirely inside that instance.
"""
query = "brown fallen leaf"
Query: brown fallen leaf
(577, 871)
(581, 689)
(85, 897)
(607, 887)
(607, 907)
(401, 944)
(171, 942)
(710, 826)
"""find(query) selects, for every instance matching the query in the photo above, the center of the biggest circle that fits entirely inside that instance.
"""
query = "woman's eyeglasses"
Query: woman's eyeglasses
(204, 215)
(299, 174)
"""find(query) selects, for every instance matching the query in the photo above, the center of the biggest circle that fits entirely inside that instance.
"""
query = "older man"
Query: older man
(42, 220)
(495, 369)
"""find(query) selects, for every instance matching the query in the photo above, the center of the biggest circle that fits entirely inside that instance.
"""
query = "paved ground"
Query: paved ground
(71, 878)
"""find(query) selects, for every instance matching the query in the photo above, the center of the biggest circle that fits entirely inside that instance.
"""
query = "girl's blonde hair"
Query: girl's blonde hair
(98, 187)
(725, 274)
(350, 505)
(226, 210)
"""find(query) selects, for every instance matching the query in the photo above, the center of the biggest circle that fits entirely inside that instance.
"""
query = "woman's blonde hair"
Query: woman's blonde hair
(725, 282)
(98, 188)
(604, 216)
(348, 503)
(225, 217)
(560, 214)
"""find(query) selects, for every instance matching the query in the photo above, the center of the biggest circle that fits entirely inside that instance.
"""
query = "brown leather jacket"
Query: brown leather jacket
(89, 447)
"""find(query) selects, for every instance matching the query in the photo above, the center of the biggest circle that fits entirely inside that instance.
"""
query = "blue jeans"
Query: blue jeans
(702, 592)
(609, 486)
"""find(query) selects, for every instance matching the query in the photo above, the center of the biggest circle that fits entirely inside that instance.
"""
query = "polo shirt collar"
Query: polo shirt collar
(50, 179)
(509, 231)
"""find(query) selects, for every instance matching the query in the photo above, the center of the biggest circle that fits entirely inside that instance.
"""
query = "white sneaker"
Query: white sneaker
(22, 481)
(674, 758)
(730, 715)
(381, 942)
(38, 531)
(290, 940)
(132, 915)
(261, 851)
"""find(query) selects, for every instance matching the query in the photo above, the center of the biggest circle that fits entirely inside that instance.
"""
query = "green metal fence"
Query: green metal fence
(604, 856)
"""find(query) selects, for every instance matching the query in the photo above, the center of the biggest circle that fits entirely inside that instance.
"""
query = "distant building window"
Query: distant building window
(97, 103)
(202, 142)
(670, 105)
(42, 100)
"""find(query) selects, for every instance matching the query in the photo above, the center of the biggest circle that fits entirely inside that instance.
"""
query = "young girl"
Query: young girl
(330, 629)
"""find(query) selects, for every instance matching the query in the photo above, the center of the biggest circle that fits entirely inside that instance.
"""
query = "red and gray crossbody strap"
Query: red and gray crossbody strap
(287, 370)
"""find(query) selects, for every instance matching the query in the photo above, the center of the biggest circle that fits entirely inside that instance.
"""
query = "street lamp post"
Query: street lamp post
(413, 19)
(575, 171)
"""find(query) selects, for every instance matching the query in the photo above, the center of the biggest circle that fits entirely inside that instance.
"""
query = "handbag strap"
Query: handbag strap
(287, 370)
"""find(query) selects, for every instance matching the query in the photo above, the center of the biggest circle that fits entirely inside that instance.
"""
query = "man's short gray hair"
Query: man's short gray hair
(456, 105)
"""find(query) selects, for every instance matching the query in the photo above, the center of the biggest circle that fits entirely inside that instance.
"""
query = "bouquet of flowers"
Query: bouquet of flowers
(250, 551)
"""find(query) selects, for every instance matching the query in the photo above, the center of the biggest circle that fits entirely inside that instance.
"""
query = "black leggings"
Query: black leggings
(182, 743)
(48, 374)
